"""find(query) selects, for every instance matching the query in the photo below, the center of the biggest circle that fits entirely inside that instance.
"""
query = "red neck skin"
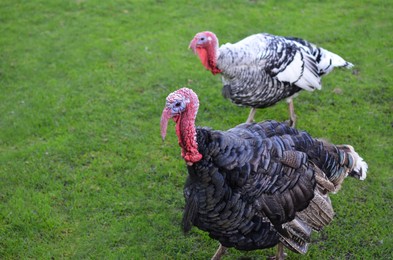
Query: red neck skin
(208, 57)
(186, 133)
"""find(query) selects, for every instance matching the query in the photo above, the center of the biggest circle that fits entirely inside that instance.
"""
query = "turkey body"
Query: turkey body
(227, 191)
(257, 184)
(254, 179)
(263, 69)
(251, 68)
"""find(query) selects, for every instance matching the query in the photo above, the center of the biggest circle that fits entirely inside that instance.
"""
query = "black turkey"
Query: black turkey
(258, 184)
(263, 69)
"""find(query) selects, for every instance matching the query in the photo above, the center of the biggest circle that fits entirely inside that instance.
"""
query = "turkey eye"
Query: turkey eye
(178, 104)
(202, 38)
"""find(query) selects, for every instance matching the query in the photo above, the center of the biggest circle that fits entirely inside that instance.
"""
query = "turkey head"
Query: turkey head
(205, 45)
(182, 105)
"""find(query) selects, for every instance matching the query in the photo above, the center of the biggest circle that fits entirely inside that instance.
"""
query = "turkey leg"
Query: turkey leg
(220, 251)
(280, 252)
(250, 118)
(292, 115)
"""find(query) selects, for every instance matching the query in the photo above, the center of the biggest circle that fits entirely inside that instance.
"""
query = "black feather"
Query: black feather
(256, 182)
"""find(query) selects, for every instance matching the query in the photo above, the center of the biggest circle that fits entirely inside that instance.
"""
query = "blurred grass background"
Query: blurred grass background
(83, 170)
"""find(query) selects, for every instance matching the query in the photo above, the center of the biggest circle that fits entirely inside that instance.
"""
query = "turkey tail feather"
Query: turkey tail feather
(297, 235)
(326, 60)
(360, 167)
(334, 61)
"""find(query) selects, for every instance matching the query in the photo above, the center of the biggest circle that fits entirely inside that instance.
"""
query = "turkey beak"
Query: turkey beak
(193, 45)
(166, 115)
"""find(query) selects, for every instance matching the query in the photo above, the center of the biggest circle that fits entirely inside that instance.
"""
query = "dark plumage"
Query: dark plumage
(257, 184)
(263, 69)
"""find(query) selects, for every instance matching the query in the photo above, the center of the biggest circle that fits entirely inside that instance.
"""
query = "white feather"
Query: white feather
(293, 72)
(360, 165)
(308, 81)
(330, 60)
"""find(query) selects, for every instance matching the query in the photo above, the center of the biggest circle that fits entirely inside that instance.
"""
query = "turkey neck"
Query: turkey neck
(208, 57)
(186, 134)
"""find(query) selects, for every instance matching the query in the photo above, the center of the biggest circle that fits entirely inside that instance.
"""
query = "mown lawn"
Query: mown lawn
(83, 171)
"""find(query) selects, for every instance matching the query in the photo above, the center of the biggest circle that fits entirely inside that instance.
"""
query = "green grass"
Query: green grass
(83, 171)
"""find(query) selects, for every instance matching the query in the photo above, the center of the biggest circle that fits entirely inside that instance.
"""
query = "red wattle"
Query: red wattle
(202, 53)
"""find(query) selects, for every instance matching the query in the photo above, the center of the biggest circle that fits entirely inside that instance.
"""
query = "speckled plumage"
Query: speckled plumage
(263, 69)
(259, 184)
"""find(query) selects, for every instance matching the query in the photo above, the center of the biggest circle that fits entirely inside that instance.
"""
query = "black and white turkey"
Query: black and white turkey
(263, 69)
(257, 185)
